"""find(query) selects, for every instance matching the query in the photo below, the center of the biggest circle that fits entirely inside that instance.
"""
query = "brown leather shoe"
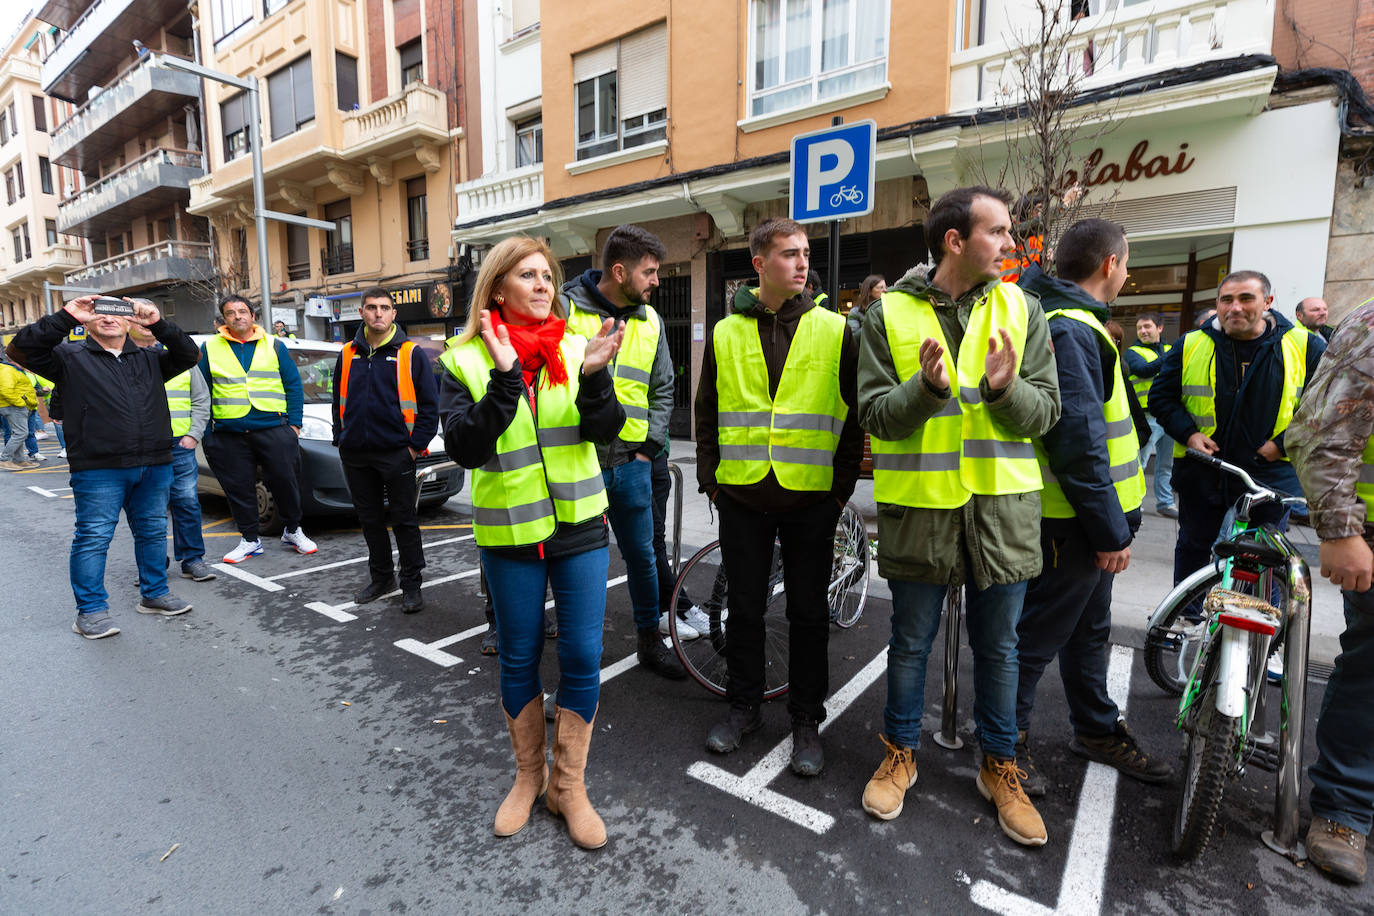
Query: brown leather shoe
(886, 791)
(999, 781)
(531, 771)
(567, 795)
(1336, 849)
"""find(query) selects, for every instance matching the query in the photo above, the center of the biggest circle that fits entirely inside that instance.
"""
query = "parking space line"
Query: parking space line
(752, 787)
(340, 613)
(248, 577)
(362, 559)
(1085, 870)
(42, 492)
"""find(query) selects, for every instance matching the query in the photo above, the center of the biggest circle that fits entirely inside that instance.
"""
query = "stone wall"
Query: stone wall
(1349, 266)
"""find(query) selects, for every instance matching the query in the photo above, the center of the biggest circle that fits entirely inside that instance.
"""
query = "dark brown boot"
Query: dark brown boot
(527, 737)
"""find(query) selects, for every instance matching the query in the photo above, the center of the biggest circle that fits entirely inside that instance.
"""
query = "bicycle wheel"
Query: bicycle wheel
(1209, 750)
(849, 572)
(702, 584)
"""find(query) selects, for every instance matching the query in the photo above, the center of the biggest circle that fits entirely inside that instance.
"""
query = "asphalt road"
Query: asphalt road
(291, 761)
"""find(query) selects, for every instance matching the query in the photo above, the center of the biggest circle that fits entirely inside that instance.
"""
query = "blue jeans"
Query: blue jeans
(1343, 775)
(187, 542)
(579, 595)
(31, 440)
(630, 498)
(991, 617)
(1162, 447)
(99, 495)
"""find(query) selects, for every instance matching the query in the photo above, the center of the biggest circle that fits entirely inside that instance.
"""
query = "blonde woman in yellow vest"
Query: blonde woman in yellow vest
(778, 451)
(1094, 487)
(956, 379)
(523, 402)
(1331, 442)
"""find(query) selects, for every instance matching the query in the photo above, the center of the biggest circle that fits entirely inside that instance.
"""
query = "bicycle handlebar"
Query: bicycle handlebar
(1250, 484)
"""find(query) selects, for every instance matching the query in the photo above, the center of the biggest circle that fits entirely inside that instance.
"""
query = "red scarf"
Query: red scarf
(537, 345)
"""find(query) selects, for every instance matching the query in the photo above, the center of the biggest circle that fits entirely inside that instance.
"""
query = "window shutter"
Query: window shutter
(524, 13)
(406, 16)
(232, 113)
(644, 71)
(594, 62)
(279, 103)
(303, 89)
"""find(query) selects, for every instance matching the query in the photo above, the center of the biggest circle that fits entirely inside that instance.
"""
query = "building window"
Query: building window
(45, 174)
(18, 245)
(271, 6)
(291, 97)
(337, 257)
(9, 186)
(529, 141)
(806, 51)
(240, 263)
(346, 80)
(297, 251)
(4, 127)
(412, 63)
(19, 177)
(622, 93)
(417, 219)
(40, 114)
(233, 116)
(50, 227)
(228, 16)
(524, 14)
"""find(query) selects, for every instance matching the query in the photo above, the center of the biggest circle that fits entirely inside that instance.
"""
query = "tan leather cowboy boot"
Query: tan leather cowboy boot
(567, 796)
(531, 771)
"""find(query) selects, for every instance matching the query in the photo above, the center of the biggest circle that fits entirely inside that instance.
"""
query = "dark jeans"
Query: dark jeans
(808, 545)
(1202, 507)
(1343, 775)
(235, 458)
(188, 543)
(629, 497)
(1068, 612)
(375, 478)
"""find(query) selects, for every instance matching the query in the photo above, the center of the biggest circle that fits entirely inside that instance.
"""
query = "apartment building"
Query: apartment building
(362, 107)
(32, 250)
(135, 136)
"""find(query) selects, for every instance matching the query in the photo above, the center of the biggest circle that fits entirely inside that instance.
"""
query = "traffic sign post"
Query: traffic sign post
(830, 179)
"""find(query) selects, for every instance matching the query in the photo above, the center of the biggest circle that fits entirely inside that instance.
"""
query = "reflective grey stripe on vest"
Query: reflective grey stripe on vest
(180, 414)
(951, 409)
(1118, 428)
(578, 489)
(743, 452)
(1367, 473)
(232, 402)
(264, 373)
(815, 421)
(920, 461)
(823, 457)
(631, 372)
(554, 436)
(970, 395)
(743, 418)
(1203, 420)
(514, 515)
(1120, 472)
(513, 460)
(633, 412)
(1197, 391)
(230, 380)
(996, 448)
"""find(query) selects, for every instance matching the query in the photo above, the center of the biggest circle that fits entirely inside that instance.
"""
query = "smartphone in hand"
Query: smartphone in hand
(109, 305)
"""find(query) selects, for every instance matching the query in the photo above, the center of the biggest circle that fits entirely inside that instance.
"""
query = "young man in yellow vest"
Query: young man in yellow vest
(1331, 441)
(643, 373)
(256, 411)
(1229, 389)
(1090, 506)
(956, 378)
(778, 451)
(386, 411)
(1143, 360)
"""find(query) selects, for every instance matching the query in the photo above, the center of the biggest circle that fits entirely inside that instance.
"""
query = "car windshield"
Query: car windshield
(317, 373)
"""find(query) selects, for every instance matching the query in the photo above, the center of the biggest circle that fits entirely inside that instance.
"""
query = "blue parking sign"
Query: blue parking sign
(832, 172)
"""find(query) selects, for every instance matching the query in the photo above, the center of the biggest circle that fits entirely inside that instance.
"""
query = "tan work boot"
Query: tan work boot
(886, 791)
(1336, 849)
(567, 795)
(999, 781)
(531, 769)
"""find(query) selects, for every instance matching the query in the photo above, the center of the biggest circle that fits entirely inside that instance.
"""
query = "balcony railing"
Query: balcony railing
(167, 253)
(1115, 46)
(417, 109)
(417, 249)
(337, 260)
(133, 83)
(298, 270)
(161, 168)
(504, 192)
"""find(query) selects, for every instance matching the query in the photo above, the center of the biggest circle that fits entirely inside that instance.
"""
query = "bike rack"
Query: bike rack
(675, 471)
(1284, 837)
(948, 736)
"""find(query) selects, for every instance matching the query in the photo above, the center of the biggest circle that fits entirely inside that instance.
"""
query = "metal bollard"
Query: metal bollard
(948, 736)
(1284, 838)
(675, 471)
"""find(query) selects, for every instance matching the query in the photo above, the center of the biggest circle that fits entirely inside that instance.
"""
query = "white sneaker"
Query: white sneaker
(40, 435)
(62, 453)
(685, 631)
(1274, 669)
(245, 550)
(698, 619)
(297, 540)
(38, 457)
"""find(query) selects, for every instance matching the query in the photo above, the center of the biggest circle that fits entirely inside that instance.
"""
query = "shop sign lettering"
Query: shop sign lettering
(1139, 164)
(411, 295)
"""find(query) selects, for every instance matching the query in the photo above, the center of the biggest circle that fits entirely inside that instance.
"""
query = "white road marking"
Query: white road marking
(752, 787)
(264, 584)
(362, 559)
(340, 613)
(42, 492)
(1080, 891)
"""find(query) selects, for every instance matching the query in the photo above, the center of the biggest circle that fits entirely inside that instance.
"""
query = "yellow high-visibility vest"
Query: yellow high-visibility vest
(632, 367)
(233, 391)
(179, 402)
(1139, 382)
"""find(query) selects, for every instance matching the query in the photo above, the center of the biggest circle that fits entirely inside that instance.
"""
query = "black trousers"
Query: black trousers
(1202, 509)
(808, 545)
(1068, 612)
(662, 484)
(235, 459)
(376, 477)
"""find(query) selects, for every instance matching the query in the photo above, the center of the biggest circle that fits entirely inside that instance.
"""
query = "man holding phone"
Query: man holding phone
(119, 432)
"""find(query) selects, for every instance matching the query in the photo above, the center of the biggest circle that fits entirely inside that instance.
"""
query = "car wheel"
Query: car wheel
(269, 519)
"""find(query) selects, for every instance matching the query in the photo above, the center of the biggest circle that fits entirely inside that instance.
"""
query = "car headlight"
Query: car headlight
(315, 428)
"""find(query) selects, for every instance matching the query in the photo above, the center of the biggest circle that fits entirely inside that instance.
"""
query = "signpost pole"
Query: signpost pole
(833, 268)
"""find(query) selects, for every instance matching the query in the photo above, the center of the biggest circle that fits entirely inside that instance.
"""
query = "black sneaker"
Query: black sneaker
(658, 658)
(1034, 783)
(1120, 750)
(808, 757)
(412, 602)
(374, 590)
(725, 735)
(550, 625)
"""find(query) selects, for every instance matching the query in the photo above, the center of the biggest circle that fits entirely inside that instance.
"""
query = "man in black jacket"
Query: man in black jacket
(386, 410)
(1090, 507)
(119, 434)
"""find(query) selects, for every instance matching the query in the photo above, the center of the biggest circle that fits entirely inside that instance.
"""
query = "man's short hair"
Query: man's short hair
(1203, 317)
(813, 279)
(629, 244)
(231, 299)
(1301, 308)
(1242, 275)
(377, 292)
(954, 210)
(761, 239)
(1085, 245)
(1155, 317)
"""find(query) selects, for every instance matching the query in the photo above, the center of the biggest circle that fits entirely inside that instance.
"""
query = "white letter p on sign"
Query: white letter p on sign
(818, 177)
